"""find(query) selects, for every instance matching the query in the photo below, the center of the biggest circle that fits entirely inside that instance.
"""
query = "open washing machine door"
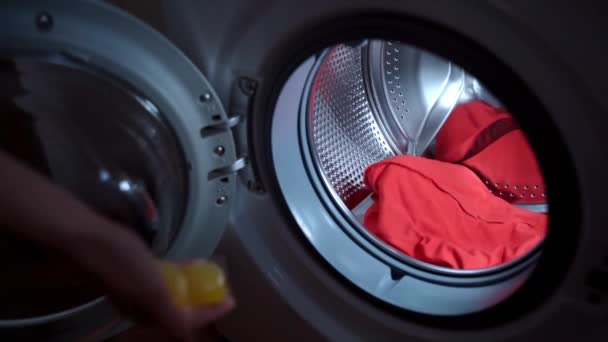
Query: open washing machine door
(111, 110)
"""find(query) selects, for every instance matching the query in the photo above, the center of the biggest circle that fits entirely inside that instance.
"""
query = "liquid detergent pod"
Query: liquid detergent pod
(194, 284)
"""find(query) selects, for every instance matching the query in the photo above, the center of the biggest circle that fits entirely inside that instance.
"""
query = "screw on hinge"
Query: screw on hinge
(206, 97)
(44, 21)
(221, 200)
(219, 150)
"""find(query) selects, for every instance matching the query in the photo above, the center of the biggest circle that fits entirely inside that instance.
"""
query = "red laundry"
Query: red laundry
(489, 142)
(443, 214)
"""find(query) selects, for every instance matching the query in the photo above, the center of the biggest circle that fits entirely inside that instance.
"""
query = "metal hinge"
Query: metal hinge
(240, 106)
(218, 128)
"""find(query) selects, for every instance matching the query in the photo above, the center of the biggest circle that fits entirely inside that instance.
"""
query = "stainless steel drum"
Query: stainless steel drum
(378, 99)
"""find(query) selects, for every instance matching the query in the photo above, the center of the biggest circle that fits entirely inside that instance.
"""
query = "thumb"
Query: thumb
(130, 274)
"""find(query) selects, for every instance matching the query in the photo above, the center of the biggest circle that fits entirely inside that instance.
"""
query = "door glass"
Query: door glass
(102, 141)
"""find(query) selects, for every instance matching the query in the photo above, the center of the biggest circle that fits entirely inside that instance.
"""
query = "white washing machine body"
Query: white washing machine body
(296, 271)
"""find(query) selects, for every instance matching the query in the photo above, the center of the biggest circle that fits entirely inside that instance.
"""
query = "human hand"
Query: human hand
(123, 265)
(151, 307)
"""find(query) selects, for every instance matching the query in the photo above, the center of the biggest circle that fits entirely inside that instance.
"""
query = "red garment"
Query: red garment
(489, 142)
(443, 214)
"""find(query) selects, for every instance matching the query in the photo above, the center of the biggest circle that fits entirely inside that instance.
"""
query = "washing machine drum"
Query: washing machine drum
(374, 101)
(429, 181)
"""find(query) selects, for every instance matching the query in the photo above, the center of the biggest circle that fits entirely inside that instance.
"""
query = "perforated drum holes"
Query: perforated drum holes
(346, 136)
(393, 80)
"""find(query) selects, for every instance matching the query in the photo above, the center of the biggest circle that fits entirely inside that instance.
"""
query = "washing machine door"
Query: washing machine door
(112, 111)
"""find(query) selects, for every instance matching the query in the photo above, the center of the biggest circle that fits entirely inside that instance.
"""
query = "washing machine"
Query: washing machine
(249, 125)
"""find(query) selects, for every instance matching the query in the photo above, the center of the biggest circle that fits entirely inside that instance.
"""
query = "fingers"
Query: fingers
(132, 278)
(201, 317)
(135, 283)
(124, 266)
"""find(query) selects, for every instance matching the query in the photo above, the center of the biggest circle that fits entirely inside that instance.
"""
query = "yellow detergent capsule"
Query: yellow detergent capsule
(176, 282)
(198, 283)
(206, 283)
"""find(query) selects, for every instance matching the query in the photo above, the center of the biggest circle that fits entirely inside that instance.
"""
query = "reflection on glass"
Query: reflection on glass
(102, 141)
